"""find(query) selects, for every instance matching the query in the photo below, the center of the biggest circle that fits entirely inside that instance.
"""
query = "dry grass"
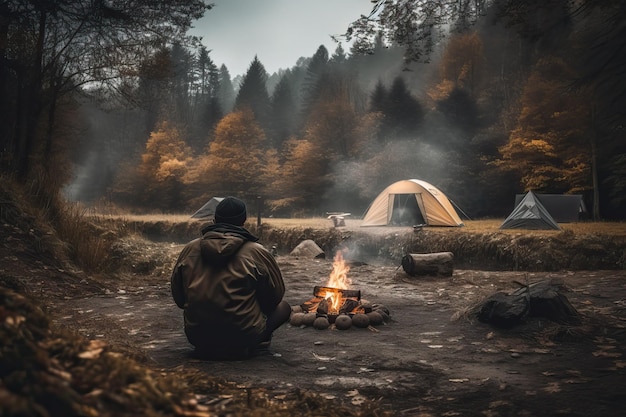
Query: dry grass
(470, 226)
(90, 251)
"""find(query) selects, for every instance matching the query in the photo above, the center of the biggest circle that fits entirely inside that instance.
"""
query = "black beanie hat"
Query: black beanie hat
(231, 210)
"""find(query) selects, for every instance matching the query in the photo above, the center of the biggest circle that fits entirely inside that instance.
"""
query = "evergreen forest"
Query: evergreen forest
(112, 103)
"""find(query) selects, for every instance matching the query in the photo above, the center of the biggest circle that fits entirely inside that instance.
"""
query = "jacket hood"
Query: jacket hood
(229, 228)
(221, 241)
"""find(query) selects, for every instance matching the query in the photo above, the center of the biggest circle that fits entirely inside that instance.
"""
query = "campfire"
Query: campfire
(335, 304)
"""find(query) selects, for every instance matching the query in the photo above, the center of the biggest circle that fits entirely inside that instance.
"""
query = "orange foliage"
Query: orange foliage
(549, 148)
(236, 155)
(166, 154)
(462, 60)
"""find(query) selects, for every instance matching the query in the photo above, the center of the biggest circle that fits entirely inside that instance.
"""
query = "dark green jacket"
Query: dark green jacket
(227, 284)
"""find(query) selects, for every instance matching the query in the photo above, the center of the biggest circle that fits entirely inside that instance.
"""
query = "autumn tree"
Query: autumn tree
(462, 61)
(302, 179)
(332, 125)
(335, 133)
(163, 165)
(236, 155)
(548, 148)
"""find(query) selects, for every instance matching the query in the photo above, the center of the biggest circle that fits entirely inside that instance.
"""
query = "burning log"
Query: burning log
(337, 305)
(333, 301)
(439, 263)
(323, 291)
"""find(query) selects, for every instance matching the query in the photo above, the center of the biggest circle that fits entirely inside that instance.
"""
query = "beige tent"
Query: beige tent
(411, 202)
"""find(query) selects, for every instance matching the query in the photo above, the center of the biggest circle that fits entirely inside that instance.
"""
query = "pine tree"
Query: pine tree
(253, 93)
(284, 112)
(226, 91)
(311, 85)
(378, 98)
(403, 113)
(153, 87)
(203, 69)
(339, 56)
(461, 111)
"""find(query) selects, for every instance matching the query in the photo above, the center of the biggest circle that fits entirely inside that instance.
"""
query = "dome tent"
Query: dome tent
(411, 202)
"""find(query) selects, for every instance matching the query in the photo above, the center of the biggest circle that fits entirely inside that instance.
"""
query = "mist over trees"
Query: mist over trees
(483, 99)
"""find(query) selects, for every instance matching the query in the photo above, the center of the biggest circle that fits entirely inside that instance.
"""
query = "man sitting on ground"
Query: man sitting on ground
(230, 288)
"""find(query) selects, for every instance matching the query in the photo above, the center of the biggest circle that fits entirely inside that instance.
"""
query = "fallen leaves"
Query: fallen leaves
(458, 380)
(552, 388)
(94, 349)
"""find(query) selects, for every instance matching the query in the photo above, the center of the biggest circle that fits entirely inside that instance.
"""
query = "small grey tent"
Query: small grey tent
(208, 209)
(530, 214)
(411, 202)
(564, 208)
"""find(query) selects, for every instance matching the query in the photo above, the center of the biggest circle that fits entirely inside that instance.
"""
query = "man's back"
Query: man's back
(226, 285)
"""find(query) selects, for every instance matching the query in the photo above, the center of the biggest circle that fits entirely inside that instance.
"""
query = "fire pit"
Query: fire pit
(335, 305)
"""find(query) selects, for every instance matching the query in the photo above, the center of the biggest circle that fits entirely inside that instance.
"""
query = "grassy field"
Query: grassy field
(470, 226)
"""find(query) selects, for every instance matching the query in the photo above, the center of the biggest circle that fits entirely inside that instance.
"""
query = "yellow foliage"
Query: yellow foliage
(441, 91)
(540, 145)
(166, 154)
(170, 168)
(236, 155)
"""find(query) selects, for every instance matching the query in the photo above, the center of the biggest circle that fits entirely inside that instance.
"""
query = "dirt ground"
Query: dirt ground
(432, 358)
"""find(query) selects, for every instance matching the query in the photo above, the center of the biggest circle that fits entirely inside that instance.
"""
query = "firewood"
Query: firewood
(319, 291)
(439, 263)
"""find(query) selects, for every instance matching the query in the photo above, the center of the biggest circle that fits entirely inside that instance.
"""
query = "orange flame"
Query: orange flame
(338, 279)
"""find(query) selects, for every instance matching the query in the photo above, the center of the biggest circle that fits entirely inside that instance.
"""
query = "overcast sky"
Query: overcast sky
(277, 31)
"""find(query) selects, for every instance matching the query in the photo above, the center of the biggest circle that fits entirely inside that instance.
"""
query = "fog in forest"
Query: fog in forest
(336, 128)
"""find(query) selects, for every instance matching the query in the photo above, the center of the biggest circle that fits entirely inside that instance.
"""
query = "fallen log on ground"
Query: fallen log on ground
(438, 263)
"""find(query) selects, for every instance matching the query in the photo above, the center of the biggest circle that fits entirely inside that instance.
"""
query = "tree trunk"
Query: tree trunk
(32, 107)
(594, 168)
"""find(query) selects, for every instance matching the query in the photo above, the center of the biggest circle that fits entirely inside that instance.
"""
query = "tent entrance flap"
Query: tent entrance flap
(405, 210)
